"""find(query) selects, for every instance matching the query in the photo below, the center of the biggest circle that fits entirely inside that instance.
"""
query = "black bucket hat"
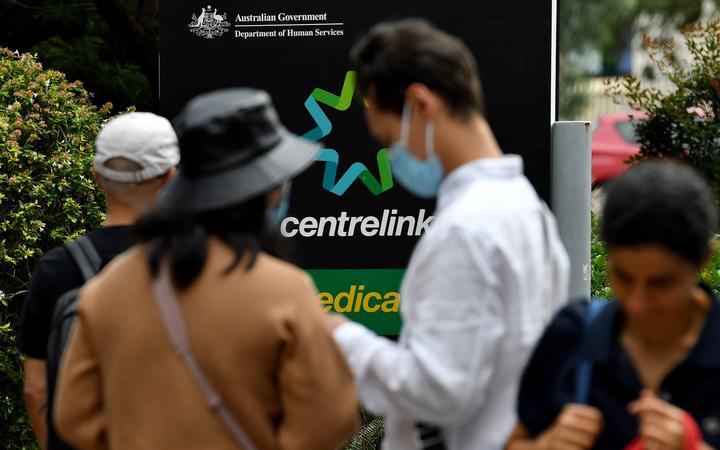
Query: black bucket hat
(232, 148)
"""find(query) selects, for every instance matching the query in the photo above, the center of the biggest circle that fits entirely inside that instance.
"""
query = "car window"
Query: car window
(627, 131)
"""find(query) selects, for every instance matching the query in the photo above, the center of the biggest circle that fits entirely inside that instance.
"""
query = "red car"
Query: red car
(613, 142)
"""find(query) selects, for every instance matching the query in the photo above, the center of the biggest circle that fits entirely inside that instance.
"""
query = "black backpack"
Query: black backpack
(89, 262)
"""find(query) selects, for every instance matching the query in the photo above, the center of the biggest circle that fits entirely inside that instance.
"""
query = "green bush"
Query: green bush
(684, 123)
(711, 273)
(47, 196)
(599, 285)
(369, 436)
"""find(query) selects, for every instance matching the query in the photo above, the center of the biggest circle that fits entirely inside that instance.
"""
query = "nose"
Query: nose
(638, 300)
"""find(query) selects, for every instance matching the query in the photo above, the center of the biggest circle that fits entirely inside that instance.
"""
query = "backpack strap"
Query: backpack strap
(85, 255)
(583, 375)
(167, 304)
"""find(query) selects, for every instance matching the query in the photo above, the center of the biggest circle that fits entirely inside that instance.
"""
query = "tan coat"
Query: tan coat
(258, 335)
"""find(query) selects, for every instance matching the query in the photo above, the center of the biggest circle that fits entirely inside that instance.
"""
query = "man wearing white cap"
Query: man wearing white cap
(135, 157)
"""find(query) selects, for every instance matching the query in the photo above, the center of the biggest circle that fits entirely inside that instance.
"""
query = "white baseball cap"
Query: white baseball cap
(142, 137)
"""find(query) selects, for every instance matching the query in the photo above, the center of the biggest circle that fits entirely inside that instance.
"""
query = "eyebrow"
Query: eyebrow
(662, 277)
(655, 278)
(621, 272)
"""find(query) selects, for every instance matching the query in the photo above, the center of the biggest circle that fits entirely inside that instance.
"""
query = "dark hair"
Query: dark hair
(393, 55)
(661, 203)
(183, 237)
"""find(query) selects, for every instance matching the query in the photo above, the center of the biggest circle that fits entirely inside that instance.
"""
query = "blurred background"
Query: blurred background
(646, 73)
(111, 46)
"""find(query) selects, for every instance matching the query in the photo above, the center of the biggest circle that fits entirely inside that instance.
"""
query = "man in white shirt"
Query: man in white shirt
(487, 276)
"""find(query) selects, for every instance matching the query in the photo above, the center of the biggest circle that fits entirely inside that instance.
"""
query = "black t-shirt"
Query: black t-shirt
(56, 273)
(549, 379)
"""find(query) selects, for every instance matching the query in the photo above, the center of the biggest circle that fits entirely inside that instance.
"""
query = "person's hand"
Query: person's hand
(661, 424)
(333, 320)
(576, 428)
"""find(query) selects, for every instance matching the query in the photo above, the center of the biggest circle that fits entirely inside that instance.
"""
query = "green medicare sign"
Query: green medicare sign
(352, 227)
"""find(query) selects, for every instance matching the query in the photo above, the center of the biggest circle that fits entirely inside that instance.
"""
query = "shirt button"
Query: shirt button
(711, 425)
(665, 396)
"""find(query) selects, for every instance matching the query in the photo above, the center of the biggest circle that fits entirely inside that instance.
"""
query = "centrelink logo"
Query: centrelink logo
(330, 157)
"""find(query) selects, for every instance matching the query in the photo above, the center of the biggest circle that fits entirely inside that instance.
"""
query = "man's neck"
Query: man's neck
(120, 215)
(461, 142)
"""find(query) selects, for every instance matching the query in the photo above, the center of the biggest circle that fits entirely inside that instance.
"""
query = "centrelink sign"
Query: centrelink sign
(353, 228)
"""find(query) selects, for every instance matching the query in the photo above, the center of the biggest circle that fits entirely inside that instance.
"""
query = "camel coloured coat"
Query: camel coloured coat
(259, 336)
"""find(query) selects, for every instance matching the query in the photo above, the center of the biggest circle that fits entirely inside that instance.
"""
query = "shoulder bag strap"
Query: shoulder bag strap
(167, 304)
(86, 257)
(583, 376)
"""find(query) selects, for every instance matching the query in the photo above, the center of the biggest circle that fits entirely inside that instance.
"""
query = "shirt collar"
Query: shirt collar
(605, 329)
(706, 352)
(461, 178)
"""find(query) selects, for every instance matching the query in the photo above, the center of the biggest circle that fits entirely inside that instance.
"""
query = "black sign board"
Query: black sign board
(353, 228)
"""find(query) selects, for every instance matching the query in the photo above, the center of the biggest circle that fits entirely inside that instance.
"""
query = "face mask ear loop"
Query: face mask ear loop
(405, 126)
(286, 187)
(430, 139)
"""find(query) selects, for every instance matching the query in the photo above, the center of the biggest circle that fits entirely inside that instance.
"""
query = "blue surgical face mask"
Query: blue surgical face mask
(421, 178)
(275, 214)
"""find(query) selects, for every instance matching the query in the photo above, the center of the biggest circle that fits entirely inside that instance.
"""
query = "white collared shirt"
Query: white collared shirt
(480, 287)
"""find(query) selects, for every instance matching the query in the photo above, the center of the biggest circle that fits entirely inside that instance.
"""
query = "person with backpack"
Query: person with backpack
(641, 371)
(135, 156)
(198, 338)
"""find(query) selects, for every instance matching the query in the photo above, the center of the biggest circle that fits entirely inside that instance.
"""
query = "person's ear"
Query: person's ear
(423, 100)
(167, 176)
(274, 196)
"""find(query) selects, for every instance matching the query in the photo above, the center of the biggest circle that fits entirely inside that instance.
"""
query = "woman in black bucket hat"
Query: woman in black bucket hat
(197, 337)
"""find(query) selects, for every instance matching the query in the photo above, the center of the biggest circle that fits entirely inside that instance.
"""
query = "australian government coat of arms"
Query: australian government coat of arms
(209, 24)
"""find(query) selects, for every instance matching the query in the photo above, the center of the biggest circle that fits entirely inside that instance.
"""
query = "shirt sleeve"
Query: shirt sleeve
(49, 281)
(80, 415)
(543, 389)
(320, 406)
(441, 369)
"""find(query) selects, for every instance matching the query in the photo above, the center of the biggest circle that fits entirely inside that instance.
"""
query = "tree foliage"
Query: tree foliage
(111, 45)
(684, 123)
(47, 196)
(608, 26)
